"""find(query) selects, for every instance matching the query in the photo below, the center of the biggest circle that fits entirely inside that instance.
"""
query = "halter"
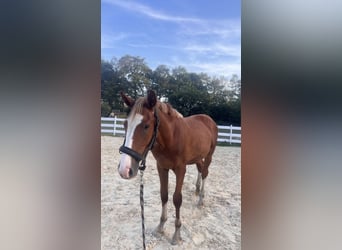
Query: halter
(142, 157)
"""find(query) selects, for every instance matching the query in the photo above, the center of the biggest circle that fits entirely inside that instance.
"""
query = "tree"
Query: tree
(190, 101)
(161, 79)
(190, 93)
(216, 90)
(180, 78)
(135, 73)
(109, 85)
(234, 88)
(105, 109)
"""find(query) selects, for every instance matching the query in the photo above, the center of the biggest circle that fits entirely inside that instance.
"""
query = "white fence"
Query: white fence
(114, 126)
(229, 134)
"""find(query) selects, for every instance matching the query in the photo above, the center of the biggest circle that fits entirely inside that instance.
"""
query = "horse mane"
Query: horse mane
(166, 108)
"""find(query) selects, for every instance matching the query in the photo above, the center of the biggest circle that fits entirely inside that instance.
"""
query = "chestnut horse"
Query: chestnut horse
(174, 141)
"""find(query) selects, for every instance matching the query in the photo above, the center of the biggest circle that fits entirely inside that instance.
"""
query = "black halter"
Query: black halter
(138, 157)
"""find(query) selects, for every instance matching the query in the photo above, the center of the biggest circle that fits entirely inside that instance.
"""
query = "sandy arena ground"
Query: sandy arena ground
(217, 225)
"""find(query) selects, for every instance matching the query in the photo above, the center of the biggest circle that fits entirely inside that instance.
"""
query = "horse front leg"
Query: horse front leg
(177, 201)
(164, 180)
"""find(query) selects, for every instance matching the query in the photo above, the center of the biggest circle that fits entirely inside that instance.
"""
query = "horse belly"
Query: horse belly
(167, 161)
(198, 150)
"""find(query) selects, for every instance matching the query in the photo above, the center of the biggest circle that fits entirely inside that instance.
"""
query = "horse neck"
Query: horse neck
(166, 130)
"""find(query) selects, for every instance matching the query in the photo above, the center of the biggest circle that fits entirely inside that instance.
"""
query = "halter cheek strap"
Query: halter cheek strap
(138, 157)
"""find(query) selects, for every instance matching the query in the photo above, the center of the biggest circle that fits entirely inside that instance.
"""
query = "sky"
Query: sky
(200, 35)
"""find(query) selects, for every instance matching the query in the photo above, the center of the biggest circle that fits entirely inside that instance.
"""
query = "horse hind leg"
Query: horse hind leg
(199, 177)
(201, 194)
(204, 175)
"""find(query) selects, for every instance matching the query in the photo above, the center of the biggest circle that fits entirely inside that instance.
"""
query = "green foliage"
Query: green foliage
(161, 79)
(134, 74)
(189, 93)
(190, 101)
(105, 109)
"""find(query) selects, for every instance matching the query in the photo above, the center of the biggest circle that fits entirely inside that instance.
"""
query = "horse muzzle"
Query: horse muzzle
(127, 173)
(128, 167)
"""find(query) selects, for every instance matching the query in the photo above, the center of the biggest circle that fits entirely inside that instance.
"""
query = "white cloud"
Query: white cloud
(108, 41)
(190, 25)
(223, 29)
(151, 45)
(150, 12)
(217, 49)
(223, 68)
(212, 46)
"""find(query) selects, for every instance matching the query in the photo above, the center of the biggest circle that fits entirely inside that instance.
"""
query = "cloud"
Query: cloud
(212, 46)
(108, 41)
(223, 68)
(216, 49)
(149, 12)
(192, 25)
(151, 45)
(225, 29)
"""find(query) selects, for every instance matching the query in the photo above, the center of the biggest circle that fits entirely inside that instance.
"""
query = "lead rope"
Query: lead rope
(142, 168)
(142, 206)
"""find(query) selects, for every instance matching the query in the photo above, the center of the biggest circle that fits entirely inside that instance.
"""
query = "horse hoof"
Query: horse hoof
(158, 232)
(176, 241)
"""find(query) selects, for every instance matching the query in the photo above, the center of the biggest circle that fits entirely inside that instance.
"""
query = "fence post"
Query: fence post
(231, 132)
(114, 130)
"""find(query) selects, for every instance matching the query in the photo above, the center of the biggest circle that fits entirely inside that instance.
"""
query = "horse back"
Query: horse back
(202, 126)
(194, 137)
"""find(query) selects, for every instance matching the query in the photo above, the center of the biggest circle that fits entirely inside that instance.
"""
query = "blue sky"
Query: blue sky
(200, 35)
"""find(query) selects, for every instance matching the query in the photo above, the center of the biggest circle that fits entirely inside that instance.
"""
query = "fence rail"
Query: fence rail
(114, 126)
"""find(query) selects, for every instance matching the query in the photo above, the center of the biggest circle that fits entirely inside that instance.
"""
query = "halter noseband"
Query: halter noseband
(138, 157)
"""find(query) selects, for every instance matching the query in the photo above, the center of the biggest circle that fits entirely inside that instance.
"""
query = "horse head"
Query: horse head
(140, 133)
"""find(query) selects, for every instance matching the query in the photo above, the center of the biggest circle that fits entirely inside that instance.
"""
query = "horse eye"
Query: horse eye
(146, 126)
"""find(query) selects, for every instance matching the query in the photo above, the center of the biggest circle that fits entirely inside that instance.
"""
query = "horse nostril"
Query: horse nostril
(130, 172)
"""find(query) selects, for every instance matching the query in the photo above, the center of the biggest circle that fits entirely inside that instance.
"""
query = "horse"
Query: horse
(175, 141)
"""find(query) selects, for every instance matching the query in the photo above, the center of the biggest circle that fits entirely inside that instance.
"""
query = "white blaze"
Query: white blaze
(126, 160)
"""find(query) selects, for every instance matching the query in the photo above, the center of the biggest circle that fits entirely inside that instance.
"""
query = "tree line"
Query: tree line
(190, 93)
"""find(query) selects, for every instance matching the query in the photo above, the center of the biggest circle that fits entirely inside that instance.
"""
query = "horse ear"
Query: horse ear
(151, 99)
(127, 100)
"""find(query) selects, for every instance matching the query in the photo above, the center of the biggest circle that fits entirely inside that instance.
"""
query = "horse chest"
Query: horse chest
(167, 160)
